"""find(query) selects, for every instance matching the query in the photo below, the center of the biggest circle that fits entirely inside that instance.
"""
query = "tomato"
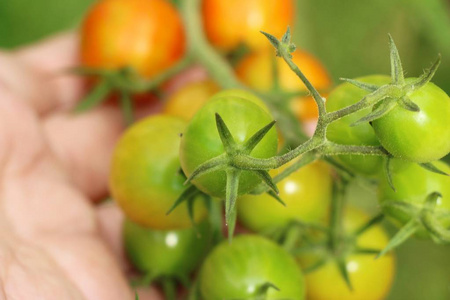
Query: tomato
(145, 179)
(255, 70)
(340, 131)
(413, 184)
(144, 34)
(237, 270)
(201, 141)
(229, 23)
(166, 252)
(185, 102)
(417, 136)
(371, 278)
(247, 95)
(306, 192)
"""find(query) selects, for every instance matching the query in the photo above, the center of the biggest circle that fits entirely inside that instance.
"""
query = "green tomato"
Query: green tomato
(306, 192)
(417, 136)
(201, 141)
(168, 253)
(145, 179)
(413, 184)
(340, 131)
(244, 94)
(237, 270)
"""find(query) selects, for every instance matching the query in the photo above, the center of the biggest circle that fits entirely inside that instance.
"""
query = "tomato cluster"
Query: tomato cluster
(212, 142)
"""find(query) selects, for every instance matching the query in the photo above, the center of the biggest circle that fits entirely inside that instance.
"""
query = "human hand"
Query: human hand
(55, 244)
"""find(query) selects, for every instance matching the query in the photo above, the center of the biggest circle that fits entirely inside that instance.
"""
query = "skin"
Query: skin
(55, 243)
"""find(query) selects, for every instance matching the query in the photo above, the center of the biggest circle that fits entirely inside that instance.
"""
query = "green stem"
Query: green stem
(337, 205)
(169, 288)
(200, 49)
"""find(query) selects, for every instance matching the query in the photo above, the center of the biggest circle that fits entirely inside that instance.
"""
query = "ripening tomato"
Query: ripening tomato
(145, 177)
(306, 192)
(422, 136)
(371, 278)
(185, 102)
(239, 269)
(255, 70)
(413, 184)
(229, 23)
(169, 253)
(341, 132)
(201, 141)
(144, 34)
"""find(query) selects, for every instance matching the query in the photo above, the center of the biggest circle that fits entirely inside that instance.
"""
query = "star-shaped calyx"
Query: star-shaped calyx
(230, 162)
(386, 97)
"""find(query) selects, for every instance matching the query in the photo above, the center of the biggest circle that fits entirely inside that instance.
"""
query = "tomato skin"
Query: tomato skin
(145, 179)
(246, 95)
(371, 278)
(144, 34)
(163, 252)
(185, 102)
(235, 270)
(340, 131)
(229, 23)
(201, 141)
(306, 192)
(413, 184)
(255, 70)
(417, 136)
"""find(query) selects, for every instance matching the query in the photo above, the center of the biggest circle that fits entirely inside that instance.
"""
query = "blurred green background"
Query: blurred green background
(350, 38)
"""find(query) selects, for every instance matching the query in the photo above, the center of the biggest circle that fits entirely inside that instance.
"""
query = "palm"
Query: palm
(51, 163)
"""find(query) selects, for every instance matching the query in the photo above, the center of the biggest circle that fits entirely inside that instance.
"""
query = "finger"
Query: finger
(84, 144)
(41, 73)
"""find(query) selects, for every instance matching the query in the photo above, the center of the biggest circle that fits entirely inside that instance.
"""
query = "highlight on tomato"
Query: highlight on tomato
(145, 177)
(230, 23)
(166, 253)
(146, 35)
(255, 70)
(251, 267)
(307, 194)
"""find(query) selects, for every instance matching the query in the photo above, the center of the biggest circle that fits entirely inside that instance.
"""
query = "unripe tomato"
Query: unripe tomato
(306, 192)
(201, 141)
(237, 270)
(229, 23)
(166, 252)
(422, 136)
(255, 70)
(144, 34)
(371, 278)
(185, 102)
(145, 179)
(341, 132)
(413, 184)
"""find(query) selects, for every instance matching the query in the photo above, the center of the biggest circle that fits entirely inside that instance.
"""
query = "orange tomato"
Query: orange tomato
(185, 102)
(229, 23)
(144, 34)
(255, 70)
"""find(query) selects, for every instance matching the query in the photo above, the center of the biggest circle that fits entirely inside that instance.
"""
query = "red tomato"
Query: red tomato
(144, 34)
(229, 23)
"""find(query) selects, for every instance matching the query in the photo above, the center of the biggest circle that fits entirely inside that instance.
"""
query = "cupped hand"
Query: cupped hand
(54, 243)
